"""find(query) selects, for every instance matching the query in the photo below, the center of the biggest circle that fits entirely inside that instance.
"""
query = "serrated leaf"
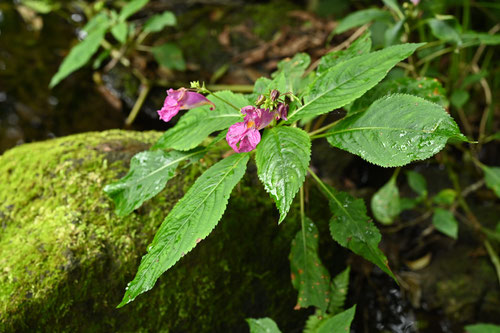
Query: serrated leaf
(339, 323)
(262, 325)
(191, 220)
(492, 178)
(361, 17)
(196, 124)
(119, 31)
(385, 202)
(482, 328)
(282, 159)
(291, 71)
(158, 22)
(131, 8)
(309, 277)
(395, 130)
(417, 183)
(339, 288)
(352, 228)
(79, 55)
(149, 173)
(425, 87)
(348, 80)
(445, 222)
(169, 56)
(360, 46)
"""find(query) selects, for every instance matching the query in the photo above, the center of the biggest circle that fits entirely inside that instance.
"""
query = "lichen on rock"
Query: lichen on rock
(66, 257)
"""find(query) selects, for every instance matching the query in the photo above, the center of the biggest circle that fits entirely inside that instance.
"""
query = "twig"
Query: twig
(145, 87)
(493, 257)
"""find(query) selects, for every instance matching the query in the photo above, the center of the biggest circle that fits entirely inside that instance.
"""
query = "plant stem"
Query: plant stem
(225, 101)
(494, 257)
(138, 104)
(314, 135)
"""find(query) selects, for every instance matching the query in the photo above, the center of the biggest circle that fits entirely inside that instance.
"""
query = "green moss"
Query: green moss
(66, 257)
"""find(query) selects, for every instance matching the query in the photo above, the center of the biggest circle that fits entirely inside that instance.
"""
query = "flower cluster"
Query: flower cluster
(181, 99)
(244, 136)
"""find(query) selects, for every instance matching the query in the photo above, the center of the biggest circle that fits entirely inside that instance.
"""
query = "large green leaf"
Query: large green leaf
(262, 325)
(425, 87)
(131, 8)
(339, 323)
(417, 183)
(197, 124)
(492, 178)
(339, 288)
(396, 130)
(191, 220)
(149, 173)
(309, 276)
(158, 22)
(79, 55)
(170, 56)
(352, 228)
(348, 80)
(385, 202)
(360, 46)
(445, 222)
(282, 159)
(361, 17)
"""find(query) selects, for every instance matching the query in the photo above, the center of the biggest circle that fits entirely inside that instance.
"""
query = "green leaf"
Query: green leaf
(425, 87)
(97, 23)
(338, 323)
(339, 288)
(480, 38)
(158, 22)
(393, 4)
(417, 183)
(393, 34)
(131, 8)
(482, 328)
(395, 131)
(169, 56)
(79, 55)
(385, 203)
(444, 31)
(262, 325)
(408, 203)
(459, 97)
(191, 220)
(361, 17)
(40, 6)
(445, 197)
(353, 229)
(348, 80)
(149, 173)
(360, 46)
(196, 124)
(282, 159)
(444, 221)
(291, 71)
(492, 178)
(119, 31)
(309, 277)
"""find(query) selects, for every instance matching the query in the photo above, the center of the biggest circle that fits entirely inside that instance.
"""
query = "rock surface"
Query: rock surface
(66, 257)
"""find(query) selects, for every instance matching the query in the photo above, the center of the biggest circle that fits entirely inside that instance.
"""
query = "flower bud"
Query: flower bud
(261, 99)
(274, 95)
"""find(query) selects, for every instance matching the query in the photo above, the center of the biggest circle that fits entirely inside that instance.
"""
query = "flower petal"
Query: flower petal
(247, 138)
(170, 108)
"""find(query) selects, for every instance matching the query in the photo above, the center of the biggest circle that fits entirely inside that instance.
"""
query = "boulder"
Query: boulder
(66, 257)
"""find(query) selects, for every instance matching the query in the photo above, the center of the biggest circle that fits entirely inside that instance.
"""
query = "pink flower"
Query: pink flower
(415, 2)
(244, 136)
(181, 99)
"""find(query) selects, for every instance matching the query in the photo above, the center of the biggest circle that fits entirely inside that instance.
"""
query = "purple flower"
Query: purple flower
(244, 136)
(181, 99)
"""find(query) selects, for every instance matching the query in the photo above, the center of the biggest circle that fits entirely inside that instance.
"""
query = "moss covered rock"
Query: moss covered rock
(66, 257)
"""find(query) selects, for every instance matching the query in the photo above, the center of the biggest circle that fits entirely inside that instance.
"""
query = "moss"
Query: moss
(66, 257)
